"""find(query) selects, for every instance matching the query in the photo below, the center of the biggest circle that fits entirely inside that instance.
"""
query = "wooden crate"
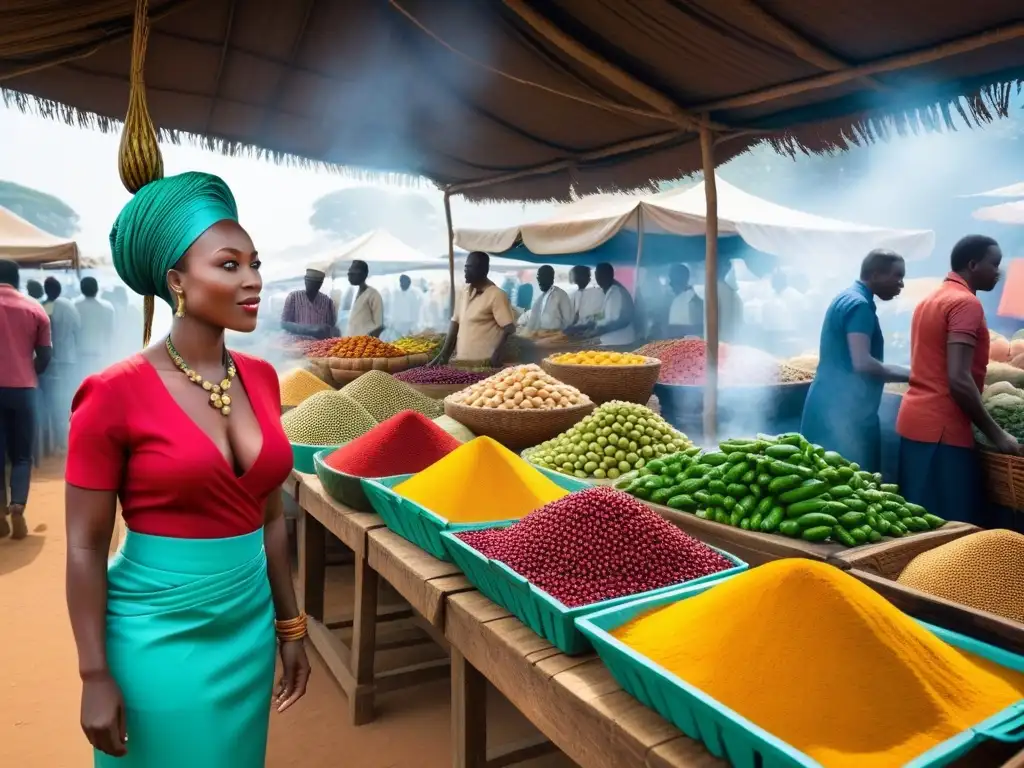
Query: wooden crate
(1004, 478)
(879, 565)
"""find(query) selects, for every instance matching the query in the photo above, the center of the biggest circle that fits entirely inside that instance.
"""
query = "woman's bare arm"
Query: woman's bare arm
(89, 522)
(275, 541)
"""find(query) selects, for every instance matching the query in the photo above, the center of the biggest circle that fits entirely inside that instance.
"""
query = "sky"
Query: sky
(80, 167)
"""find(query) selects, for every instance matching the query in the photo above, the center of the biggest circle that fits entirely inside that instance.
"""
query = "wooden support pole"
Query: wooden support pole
(451, 252)
(707, 153)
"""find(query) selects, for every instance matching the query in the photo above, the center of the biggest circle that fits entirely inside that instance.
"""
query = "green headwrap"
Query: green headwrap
(160, 222)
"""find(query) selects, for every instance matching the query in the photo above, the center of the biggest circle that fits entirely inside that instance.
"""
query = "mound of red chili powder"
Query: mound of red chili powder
(597, 544)
(406, 443)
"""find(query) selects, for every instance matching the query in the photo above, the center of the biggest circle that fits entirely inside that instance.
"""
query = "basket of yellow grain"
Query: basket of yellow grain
(342, 360)
(604, 375)
(519, 406)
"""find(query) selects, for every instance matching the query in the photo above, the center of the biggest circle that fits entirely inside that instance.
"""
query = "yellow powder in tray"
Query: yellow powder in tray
(299, 384)
(824, 663)
(479, 482)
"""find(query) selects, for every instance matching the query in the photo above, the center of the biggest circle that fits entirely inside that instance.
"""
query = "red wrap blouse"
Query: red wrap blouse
(128, 434)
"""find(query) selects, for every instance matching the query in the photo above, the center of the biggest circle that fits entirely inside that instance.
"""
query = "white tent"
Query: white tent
(383, 252)
(586, 224)
(26, 244)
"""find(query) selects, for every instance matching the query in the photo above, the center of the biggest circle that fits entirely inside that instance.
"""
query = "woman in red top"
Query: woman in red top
(175, 635)
(949, 346)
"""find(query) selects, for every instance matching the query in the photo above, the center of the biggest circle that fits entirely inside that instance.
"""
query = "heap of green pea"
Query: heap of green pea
(781, 484)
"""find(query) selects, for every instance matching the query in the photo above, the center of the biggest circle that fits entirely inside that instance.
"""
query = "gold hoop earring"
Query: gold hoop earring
(180, 312)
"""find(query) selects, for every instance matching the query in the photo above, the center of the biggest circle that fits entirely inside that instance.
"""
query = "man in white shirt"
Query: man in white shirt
(615, 324)
(783, 315)
(95, 344)
(59, 381)
(587, 300)
(552, 311)
(367, 315)
(730, 305)
(686, 312)
(405, 309)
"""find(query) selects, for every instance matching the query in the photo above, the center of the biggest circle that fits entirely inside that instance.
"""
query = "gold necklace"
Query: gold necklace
(219, 397)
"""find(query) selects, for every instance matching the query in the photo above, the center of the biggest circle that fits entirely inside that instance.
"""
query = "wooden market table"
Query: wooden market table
(572, 700)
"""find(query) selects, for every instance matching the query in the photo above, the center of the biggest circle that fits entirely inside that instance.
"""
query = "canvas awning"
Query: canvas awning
(765, 226)
(28, 245)
(519, 99)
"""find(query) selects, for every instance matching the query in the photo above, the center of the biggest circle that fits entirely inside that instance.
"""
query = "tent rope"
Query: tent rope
(138, 156)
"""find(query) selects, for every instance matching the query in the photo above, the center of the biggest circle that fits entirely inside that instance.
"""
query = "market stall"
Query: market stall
(29, 246)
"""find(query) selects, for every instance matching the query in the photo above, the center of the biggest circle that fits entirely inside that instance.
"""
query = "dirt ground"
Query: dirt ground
(39, 687)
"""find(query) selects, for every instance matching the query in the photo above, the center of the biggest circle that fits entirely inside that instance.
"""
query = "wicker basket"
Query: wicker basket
(517, 429)
(1004, 475)
(632, 383)
(343, 370)
(437, 391)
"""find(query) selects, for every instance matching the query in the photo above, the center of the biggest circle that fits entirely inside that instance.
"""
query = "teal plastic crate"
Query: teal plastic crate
(548, 617)
(421, 526)
(342, 487)
(302, 456)
(728, 735)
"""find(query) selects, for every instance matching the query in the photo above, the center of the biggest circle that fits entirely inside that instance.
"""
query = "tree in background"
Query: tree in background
(47, 212)
(354, 211)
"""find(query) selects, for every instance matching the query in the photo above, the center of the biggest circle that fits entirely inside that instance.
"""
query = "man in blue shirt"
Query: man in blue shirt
(841, 412)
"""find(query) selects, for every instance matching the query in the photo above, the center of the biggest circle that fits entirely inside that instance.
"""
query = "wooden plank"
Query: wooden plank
(981, 625)
(514, 754)
(469, 714)
(413, 573)
(312, 567)
(681, 751)
(334, 654)
(589, 718)
(344, 522)
(889, 558)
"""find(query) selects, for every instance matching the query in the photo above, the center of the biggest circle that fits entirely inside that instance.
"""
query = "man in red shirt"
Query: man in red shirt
(949, 344)
(25, 352)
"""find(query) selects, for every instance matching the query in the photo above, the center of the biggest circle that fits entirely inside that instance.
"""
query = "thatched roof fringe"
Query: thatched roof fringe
(53, 110)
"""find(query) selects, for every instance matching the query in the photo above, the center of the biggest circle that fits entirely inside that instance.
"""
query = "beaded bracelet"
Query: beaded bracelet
(291, 629)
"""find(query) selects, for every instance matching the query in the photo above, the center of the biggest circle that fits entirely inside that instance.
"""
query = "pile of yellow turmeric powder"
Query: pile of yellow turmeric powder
(479, 482)
(825, 664)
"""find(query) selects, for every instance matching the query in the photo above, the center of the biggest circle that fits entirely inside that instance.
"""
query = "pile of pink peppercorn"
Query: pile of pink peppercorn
(596, 545)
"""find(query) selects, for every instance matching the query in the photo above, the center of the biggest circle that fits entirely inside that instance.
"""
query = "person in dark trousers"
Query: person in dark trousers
(841, 410)
(25, 351)
(939, 467)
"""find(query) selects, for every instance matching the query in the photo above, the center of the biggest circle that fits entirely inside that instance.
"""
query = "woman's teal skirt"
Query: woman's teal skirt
(190, 640)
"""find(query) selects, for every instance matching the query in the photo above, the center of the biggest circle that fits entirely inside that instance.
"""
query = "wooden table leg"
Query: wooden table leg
(364, 641)
(469, 714)
(312, 564)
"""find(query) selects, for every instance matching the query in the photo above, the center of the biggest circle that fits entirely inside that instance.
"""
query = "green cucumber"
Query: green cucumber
(755, 521)
(855, 504)
(859, 536)
(749, 477)
(714, 459)
(764, 506)
(717, 486)
(852, 519)
(662, 495)
(773, 520)
(845, 473)
(801, 508)
(736, 457)
(729, 502)
(781, 484)
(893, 497)
(889, 488)
(721, 516)
(782, 468)
(737, 472)
(736, 490)
(917, 524)
(783, 451)
(874, 536)
(764, 480)
(789, 528)
(735, 516)
(835, 508)
(829, 476)
(843, 536)
(692, 485)
(840, 491)
(916, 509)
(884, 526)
(703, 498)
(745, 523)
(934, 521)
(807, 490)
(834, 459)
(815, 519)
(682, 501)
(820, 533)
(717, 500)
(655, 466)
(704, 514)
(748, 504)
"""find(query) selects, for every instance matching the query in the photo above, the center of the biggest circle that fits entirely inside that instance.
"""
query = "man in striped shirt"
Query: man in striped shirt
(308, 312)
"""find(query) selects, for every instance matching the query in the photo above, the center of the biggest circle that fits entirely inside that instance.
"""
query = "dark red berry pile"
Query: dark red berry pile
(441, 374)
(597, 545)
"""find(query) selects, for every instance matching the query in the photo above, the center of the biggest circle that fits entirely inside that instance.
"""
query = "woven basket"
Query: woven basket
(1004, 475)
(438, 391)
(344, 370)
(632, 383)
(517, 429)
